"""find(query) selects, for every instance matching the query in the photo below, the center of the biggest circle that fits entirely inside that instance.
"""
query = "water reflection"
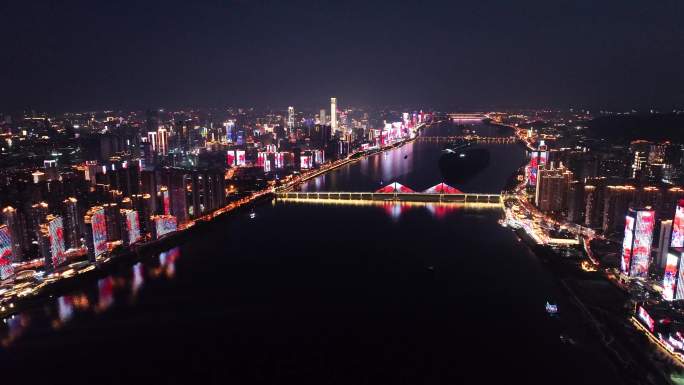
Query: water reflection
(97, 298)
(416, 165)
(440, 211)
(16, 325)
(65, 309)
(138, 279)
(437, 210)
(105, 294)
(396, 209)
(167, 260)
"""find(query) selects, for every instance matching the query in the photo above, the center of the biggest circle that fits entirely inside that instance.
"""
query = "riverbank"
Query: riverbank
(78, 274)
(601, 309)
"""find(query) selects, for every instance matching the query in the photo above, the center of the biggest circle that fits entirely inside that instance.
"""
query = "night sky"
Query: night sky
(79, 55)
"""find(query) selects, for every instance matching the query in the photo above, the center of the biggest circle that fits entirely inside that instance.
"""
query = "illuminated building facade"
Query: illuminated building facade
(636, 245)
(664, 236)
(678, 226)
(96, 232)
(673, 279)
(552, 189)
(52, 240)
(290, 120)
(163, 225)
(6, 244)
(10, 217)
(73, 223)
(333, 115)
(131, 228)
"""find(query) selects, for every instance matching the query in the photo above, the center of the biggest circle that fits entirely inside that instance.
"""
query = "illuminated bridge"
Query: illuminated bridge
(467, 117)
(494, 199)
(469, 138)
(395, 192)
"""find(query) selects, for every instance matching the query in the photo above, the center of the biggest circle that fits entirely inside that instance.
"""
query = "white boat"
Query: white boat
(551, 308)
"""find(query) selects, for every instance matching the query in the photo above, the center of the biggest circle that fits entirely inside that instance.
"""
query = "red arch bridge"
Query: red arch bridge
(398, 192)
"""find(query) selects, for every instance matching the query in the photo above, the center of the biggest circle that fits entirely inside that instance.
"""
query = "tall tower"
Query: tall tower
(163, 141)
(72, 232)
(11, 219)
(321, 117)
(290, 118)
(636, 246)
(333, 115)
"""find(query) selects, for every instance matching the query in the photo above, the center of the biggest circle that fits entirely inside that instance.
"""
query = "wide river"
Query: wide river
(323, 293)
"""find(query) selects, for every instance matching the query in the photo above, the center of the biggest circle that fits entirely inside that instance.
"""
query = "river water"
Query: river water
(323, 293)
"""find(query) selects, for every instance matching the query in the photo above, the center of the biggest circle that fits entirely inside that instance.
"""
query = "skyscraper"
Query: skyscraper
(162, 141)
(95, 232)
(616, 202)
(594, 191)
(11, 219)
(664, 242)
(37, 215)
(152, 139)
(73, 227)
(321, 117)
(575, 203)
(552, 189)
(333, 115)
(51, 241)
(290, 119)
(636, 245)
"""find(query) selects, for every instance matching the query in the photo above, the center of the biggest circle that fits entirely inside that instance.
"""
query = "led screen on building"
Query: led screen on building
(643, 238)
(319, 157)
(678, 226)
(57, 248)
(679, 294)
(279, 160)
(132, 226)
(240, 158)
(627, 245)
(99, 224)
(537, 159)
(261, 158)
(166, 201)
(6, 269)
(164, 224)
(305, 162)
(543, 157)
(646, 319)
(230, 158)
(670, 277)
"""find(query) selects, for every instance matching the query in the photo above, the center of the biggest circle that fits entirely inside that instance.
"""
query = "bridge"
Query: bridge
(467, 198)
(396, 192)
(469, 138)
(467, 117)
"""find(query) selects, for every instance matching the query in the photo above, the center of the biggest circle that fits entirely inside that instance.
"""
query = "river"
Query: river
(323, 293)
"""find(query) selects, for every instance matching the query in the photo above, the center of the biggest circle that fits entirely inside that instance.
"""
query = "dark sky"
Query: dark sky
(77, 55)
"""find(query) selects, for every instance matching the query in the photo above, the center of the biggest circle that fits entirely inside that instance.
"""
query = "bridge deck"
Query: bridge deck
(403, 197)
(470, 138)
